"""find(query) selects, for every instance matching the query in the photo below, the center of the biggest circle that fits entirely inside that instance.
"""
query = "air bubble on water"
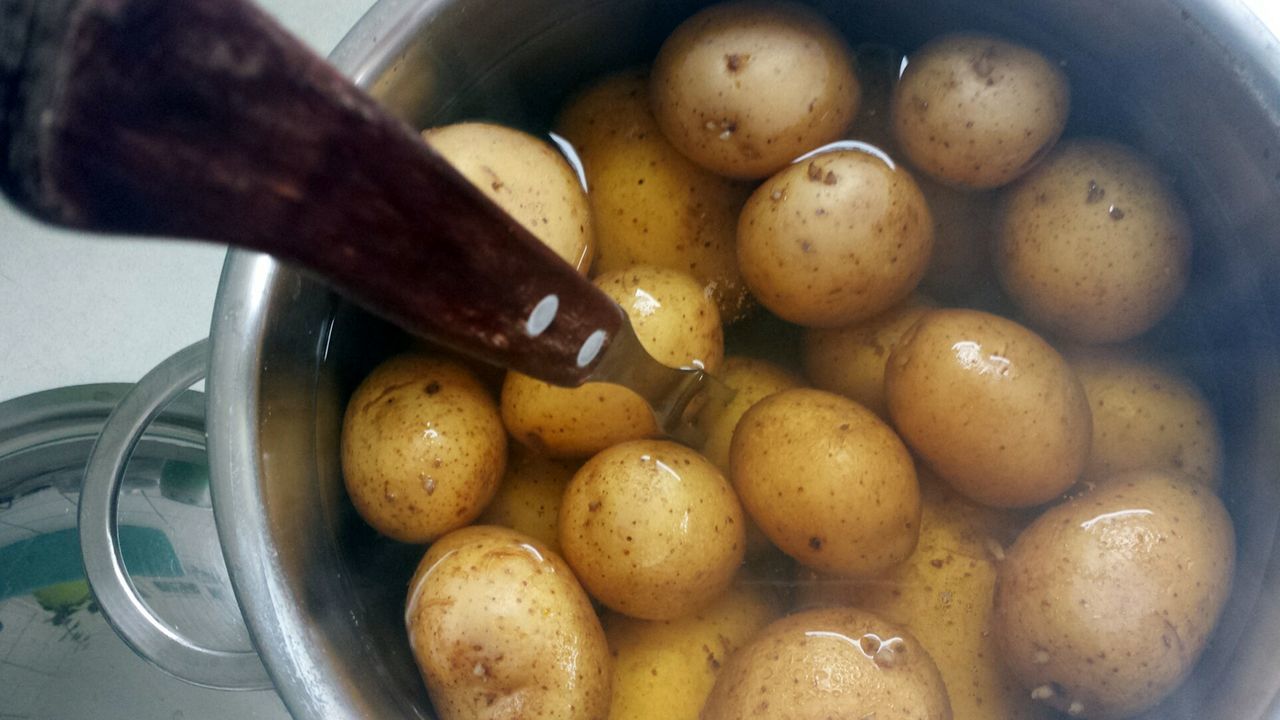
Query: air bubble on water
(1044, 692)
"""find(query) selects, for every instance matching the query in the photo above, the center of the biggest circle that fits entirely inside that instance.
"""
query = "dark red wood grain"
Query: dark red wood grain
(204, 119)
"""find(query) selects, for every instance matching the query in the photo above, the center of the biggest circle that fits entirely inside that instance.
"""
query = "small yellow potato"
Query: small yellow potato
(423, 448)
(528, 499)
(652, 529)
(650, 204)
(945, 594)
(500, 628)
(1146, 417)
(1106, 601)
(833, 663)
(976, 111)
(850, 360)
(834, 239)
(751, 380)
(677, 324)
(744, 88)
(664, 669)
(1093, 244)
(993, 409)
(827, 481)
(526, 177)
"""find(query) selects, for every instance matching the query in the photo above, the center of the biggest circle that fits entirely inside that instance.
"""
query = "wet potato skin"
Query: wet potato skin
(652, 529)
(1146, 417)
(824, 663)
(528, 499)
(827, 481)
(526, 177)
(993, 409)
(1106, 601)
(751, 380)
(835, 239)
(650, 204)
(945, 595)
(423, 448)
(664, 670)
(1093, 244)
(976, 111)
(501, 630)
(744, 88)
(851, 360)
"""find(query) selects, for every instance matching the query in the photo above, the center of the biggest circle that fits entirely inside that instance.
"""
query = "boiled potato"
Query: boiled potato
(834, 663)
(744, 88)
(751, 380)
(528, 499)
(1093, 244)
(944, 594)
(500, 629)
(835, 239)
(1146, 418)
(827, 481)
(676, 323)
(652, 529)
(423, 448)
(651, 205)
(664, 669)
(526, 177)
(850, 360)
(990, 406)
(977, 111)
(1105, 602)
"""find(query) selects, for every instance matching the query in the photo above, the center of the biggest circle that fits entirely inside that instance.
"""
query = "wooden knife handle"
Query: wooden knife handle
(204, 119)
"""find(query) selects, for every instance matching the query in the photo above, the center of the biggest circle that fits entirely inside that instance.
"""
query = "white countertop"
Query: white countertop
(76, 310)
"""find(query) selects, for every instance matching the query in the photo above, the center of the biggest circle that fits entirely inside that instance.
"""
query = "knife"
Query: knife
(204, 119)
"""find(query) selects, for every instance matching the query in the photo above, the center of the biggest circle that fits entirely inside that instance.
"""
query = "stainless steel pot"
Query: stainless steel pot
(1196, 83)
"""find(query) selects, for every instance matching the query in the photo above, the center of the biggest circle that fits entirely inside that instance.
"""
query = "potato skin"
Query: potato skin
(501, 630)
(827, 481)
(833, 663)
(1093, 244)
(528, 499)
(526, 177)
(993, 409)
(652, 529)
(945, 595)
(751, 380)
(744, 88)
(1105, 602)
(1147, 418)
(851, 360)
(677, 323)
(423, 448)
(976, 111)
(835, 239)
(650, 204)
(663, 670)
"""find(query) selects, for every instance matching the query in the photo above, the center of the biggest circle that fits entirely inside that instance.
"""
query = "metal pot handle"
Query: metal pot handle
(121, 604)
